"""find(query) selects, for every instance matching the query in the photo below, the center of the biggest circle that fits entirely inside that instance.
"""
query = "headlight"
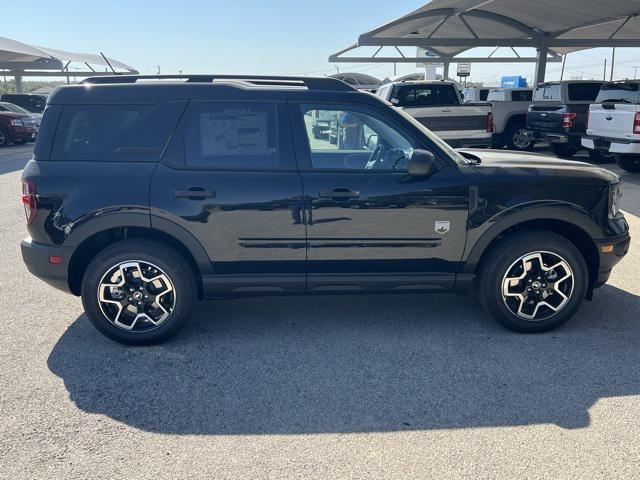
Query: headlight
(16, 122)
(615, 197)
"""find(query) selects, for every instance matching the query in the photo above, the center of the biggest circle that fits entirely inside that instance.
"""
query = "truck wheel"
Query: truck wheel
(138, 292)
(4, 137)
(630, 163)
(533, 281)
(596, 156)
(517, 138)
(563, 150)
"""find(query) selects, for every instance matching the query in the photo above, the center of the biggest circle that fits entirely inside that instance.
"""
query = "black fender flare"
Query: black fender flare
(99, 224)
(482, 236)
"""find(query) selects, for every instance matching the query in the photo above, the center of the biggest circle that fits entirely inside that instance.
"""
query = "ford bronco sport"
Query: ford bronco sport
(145, 195)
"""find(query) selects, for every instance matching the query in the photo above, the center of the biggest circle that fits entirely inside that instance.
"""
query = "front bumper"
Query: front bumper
(611, 251)
(611, 145)
(36, 257)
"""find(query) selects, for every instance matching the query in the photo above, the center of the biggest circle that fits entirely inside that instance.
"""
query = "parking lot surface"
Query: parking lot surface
(393, 386)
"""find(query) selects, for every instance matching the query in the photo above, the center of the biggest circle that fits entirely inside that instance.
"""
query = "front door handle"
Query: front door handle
(339, 194)
(194, 193)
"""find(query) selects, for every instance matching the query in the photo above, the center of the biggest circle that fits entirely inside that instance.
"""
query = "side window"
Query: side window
(521, 95)
(354, 140)
(115, 132)
(233, 136)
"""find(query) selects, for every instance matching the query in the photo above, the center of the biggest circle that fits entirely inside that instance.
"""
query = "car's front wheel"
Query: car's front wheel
(138, 292)
(517, 138)
(533, 281)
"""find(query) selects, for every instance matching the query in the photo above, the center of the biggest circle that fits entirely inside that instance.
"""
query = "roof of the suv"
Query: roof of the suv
(124, 89)
(422, 82)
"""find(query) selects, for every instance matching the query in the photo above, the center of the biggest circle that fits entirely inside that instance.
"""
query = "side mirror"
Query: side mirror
(421, 164)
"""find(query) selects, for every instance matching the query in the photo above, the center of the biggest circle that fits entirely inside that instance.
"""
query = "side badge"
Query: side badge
(443, 226)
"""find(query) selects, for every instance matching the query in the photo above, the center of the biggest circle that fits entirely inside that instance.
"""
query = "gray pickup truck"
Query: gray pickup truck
(509, 107)
(438, 106)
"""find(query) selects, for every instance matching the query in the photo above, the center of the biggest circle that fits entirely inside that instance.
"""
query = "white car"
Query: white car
(438, 106)
(12, 107)
(614, 124)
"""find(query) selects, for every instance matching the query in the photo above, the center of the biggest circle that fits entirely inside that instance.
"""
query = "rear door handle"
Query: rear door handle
(339, 194)
(194, 193)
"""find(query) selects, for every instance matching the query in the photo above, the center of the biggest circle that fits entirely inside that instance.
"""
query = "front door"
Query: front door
(370, 225)
(229, 179)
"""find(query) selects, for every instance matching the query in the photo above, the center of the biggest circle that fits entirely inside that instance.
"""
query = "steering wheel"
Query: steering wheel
(375, 157)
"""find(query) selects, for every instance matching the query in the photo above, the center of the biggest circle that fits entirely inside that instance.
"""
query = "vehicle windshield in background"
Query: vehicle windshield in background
(619, 93)
(425, 95)
(584, 92)
(547, 93)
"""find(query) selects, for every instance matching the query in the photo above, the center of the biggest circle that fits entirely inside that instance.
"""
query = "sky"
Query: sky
(269, 37)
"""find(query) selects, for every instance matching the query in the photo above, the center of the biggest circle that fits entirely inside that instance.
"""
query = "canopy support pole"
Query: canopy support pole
(445, 71)
(18, 83)
(541, 63)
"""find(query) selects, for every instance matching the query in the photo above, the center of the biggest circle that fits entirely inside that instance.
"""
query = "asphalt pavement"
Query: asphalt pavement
(386, 386)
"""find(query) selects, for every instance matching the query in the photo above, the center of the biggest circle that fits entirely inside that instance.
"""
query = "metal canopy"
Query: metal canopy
(449, 27)
(19, 60)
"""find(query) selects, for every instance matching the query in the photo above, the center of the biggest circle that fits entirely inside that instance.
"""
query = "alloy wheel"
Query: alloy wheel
(136, 296)
(520, 139)
(538, 285)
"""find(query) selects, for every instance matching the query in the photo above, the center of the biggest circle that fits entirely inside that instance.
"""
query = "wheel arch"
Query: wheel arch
(163, 231)
(576, 233)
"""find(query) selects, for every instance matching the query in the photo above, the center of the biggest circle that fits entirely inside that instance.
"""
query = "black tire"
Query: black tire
(596, 156)
(505, 256)
(630, 163)
(147, 252)
(515, 141)
(563, 150)
(4, 138)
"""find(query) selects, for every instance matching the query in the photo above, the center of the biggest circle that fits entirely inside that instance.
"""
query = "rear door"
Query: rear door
(229, 178)
(370, 225)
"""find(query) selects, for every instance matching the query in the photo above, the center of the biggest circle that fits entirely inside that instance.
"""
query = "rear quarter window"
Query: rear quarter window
(521, 96)
(115, 132)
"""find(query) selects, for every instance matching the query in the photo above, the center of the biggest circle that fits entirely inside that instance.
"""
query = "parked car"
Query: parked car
(152, 195)
(509, 107)
(614, 124)
(438, 106)
(11, 107)
(320, 123)
(16, 128)
(558, 115)
(31, 102)
(475, 94)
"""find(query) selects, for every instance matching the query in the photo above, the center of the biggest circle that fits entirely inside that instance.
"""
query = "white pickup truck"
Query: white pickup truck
(614, 124)
(509, 107)
(438, 106)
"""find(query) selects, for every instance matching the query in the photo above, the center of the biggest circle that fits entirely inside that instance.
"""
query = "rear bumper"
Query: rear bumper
(36, 257)
(470, 142)
(619, 247)
(611, 145)
(553, 137)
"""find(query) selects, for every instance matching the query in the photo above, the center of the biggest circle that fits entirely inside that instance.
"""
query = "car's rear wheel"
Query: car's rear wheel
(630, 163)
(563, 150)
(4, 137)
(597, 156)
(533, 281)
(138, 292)
(517, 138)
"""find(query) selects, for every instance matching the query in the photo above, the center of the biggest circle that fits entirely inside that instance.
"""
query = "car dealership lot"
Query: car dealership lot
(388, 386)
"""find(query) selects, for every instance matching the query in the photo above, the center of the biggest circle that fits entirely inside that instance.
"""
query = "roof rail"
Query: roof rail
(312, 83)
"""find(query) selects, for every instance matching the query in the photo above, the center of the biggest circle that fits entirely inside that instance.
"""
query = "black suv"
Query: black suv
(147, 194)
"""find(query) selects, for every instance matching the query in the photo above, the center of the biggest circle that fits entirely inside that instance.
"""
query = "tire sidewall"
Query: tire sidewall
(511, 143)
(630, 163)
(504, 257)
(168, 261)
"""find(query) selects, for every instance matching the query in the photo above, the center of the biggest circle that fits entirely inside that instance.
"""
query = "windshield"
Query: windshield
(457, 157)
(12, 108)
(627, 92)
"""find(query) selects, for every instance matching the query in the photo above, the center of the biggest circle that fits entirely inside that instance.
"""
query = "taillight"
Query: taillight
(29, 200)
(568, 119)
(490, 122)
(636, 123)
